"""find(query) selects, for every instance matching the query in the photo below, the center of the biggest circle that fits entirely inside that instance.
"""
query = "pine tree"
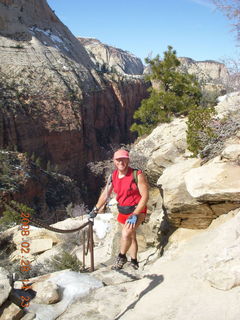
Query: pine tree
(175, 93)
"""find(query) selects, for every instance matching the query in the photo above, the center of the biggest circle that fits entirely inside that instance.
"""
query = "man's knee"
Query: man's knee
(128, 233)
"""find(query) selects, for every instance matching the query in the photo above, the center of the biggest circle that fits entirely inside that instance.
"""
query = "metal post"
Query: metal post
(84, 249)
(91, 244)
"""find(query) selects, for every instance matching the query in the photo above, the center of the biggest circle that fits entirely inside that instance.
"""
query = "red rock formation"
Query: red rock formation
(59, 107)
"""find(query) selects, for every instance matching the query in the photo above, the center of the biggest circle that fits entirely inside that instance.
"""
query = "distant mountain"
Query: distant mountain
(209, 70)
(105, 56)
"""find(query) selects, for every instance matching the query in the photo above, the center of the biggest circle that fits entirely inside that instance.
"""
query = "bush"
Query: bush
(199, 129)
(65, 261)
(223, 130)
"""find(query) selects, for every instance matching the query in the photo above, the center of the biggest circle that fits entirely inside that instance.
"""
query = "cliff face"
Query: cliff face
(54, 102)
(71, 133)
(47, 192)
(209, 70)
(105, 56)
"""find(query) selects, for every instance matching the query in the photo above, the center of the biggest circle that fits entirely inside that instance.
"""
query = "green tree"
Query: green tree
(11, 217)
(173, 93)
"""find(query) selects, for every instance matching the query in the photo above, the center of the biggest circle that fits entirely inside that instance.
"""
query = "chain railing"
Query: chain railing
(89, 224)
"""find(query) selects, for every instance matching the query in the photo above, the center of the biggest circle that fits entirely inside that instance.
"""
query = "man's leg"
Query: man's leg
(129, 239)
(128, 242)
(133, 249)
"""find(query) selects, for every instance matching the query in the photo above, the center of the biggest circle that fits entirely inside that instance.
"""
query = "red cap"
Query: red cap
(121, 154)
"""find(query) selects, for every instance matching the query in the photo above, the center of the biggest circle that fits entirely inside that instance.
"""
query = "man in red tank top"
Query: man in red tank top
(132, 201)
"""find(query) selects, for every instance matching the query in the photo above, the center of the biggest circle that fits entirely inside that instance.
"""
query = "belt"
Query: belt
(126, 209)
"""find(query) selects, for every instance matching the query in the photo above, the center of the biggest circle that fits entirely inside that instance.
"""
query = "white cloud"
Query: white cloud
(205, 3)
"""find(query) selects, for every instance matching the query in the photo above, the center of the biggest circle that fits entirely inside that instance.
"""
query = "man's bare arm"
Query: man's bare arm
(104, 195)
(143, 189)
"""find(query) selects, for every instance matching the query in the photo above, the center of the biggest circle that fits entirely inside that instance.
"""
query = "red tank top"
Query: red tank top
(126, 189)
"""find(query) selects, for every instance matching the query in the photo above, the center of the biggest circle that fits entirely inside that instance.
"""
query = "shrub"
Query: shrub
(199, 128)
(65, 261)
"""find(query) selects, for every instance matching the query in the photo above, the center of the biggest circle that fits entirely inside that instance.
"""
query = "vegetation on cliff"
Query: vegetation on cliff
(176, 93)
(45, 191)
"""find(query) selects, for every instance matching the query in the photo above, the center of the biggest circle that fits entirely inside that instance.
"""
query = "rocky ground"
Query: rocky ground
(196, 278)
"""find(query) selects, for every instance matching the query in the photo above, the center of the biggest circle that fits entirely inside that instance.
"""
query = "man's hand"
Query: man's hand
(131, 221)
(92, 214)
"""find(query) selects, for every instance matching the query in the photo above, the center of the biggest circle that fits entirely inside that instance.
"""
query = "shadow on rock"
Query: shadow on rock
(155, 281)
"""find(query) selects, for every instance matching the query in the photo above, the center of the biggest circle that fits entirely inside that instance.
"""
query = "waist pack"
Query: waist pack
(126, 209)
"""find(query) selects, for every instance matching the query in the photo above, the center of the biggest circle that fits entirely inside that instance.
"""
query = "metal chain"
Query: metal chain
(41, 224)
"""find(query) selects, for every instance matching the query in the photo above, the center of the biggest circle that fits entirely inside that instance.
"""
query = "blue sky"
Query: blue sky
(194, 28)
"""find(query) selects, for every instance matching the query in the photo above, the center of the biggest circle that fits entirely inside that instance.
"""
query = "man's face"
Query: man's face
(121, 163)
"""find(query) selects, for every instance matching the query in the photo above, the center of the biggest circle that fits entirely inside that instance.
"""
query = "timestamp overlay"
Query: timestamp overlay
(25, 264)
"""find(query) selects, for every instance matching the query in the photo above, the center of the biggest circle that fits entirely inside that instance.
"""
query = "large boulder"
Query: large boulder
(47, 292)
(5, 285)
(163, 147)
(182, 209)
(215, 181)
(194, 195)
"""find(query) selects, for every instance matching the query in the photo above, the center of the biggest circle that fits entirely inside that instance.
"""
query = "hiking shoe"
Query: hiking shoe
(120, 262)
(134, 265)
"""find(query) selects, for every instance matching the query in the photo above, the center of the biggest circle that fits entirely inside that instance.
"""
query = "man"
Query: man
(132, 199)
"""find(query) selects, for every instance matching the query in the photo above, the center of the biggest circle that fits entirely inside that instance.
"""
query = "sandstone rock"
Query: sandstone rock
(35, 247)
(17, 255)
(46, 292)
(232, 153)
(176, 267)
(37, 233)
(28, 181)
(39, 279)
(215, 181)
(73, 285)
(223, 207)
(209, 70)
(221, 258)
(234, 139)
(212, 72)
(228, 104)
(111, 277)
(173, 132)
(224, 275)
(29, 316)
(152, 228)
(40, 251)
(162, 147)
(112, 58)
(40, 245)
(44, 257)
(9, 233)
(92, 307)
(12, 312)
(182, 209)
(5, 285)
